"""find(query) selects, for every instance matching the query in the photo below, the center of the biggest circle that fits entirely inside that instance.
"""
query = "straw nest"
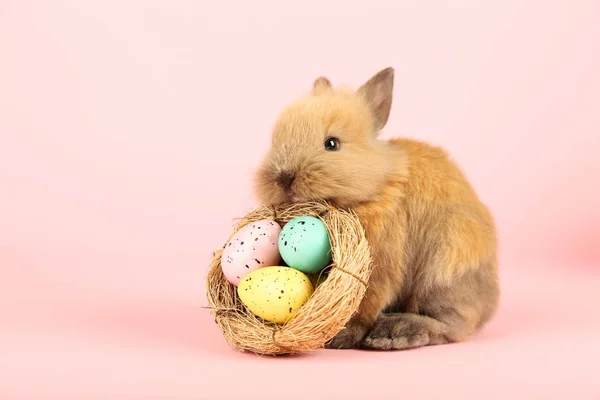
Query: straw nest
(335, 299)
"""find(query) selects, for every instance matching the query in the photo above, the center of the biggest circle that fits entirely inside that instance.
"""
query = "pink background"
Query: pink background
(127, 130)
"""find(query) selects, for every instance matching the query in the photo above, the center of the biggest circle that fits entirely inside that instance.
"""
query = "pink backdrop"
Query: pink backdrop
(127, 130)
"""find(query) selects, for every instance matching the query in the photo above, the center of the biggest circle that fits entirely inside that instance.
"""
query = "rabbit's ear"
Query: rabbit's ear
(377, 92)
(321, 85)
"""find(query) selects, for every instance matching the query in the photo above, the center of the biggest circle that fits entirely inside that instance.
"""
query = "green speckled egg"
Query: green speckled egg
(304, 244)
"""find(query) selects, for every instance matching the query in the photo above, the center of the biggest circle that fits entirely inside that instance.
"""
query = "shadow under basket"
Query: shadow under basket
(326, 312)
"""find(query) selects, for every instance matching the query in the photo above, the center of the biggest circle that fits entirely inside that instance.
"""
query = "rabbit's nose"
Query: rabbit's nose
(285, 179)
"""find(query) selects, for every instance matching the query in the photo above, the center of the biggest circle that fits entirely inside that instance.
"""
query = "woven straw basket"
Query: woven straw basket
(326, 312)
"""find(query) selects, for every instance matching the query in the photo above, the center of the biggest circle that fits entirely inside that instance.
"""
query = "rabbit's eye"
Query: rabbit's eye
(332, 144)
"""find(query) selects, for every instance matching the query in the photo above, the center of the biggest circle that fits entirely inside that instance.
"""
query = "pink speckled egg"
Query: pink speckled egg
(252, 247)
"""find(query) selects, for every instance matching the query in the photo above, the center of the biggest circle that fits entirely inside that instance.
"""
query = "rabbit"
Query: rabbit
(433, 241)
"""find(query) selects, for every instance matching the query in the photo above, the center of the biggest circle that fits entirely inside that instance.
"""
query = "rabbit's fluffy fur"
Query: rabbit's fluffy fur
(433, 241)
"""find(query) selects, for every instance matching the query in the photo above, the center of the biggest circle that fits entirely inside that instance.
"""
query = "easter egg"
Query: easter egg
(304, 244)
(275, 293)
(252, 247)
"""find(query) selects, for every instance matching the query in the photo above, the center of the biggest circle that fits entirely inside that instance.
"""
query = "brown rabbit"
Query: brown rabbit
(433, 241)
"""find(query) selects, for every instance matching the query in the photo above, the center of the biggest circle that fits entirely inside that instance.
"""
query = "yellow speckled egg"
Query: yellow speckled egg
(275, 293)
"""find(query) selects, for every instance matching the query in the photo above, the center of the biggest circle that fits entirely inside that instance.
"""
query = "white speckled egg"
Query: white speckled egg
(252, 247)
